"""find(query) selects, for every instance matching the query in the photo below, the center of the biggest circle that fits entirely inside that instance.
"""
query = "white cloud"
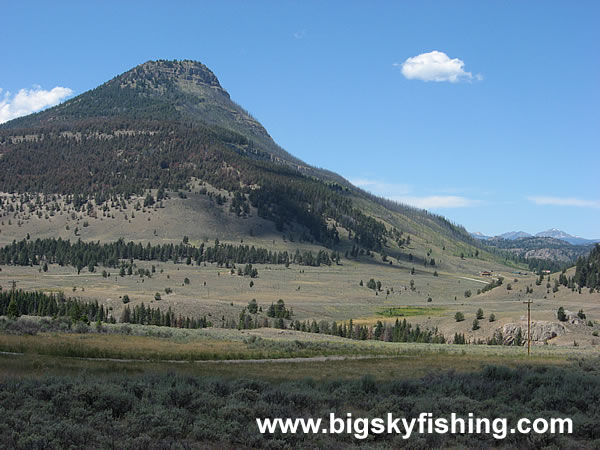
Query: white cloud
(437, 201)
(300, 34)
(400, 193)
(564, 201)
(382, 188)
(28, 101)
(436, 66)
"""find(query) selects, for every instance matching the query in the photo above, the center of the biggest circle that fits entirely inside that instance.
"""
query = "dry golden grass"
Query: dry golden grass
(119, 346)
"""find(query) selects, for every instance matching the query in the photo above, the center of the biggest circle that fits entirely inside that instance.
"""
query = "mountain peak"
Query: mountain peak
(169, 91)
(162, 73)
(553, 232)
(514, 235)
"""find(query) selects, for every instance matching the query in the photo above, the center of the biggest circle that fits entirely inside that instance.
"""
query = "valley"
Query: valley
(151, 228)
(434, 293)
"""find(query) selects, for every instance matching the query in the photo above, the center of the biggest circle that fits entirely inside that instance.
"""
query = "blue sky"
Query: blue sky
(485, 112)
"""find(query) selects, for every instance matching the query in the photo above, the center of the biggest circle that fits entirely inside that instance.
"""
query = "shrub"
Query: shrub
(81, 327)
(252, 306)
(155, 411)
(19, 326)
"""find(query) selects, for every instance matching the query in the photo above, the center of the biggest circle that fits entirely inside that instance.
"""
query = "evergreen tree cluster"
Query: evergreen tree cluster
(154, 316)
(587, 270)
(495, 339)
(374, 285)
(248, 271)
(459, 339)
(279, 311)
(57, 305)
(538, 264)
(400, 331)
(495, 283)
(53, 305)
(89, 254)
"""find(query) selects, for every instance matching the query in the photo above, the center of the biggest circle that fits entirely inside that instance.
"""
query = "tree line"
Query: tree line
(16, 303)
(143, 315)
(400, 331)
(90, 254)
(32, 303)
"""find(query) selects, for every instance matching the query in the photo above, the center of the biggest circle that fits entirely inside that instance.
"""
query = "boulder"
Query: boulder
(573, 318)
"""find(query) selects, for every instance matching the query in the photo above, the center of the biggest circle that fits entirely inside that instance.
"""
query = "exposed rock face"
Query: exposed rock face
(540, 331)
(160, 72)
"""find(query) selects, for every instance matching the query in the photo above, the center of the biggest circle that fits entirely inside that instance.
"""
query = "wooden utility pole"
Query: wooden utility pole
(528, 302)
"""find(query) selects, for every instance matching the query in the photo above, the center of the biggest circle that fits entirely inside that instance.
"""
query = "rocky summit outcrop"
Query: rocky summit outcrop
(541, 331)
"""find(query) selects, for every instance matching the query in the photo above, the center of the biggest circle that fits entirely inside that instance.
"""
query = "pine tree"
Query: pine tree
(13, 309)
(519, 338)
(126, 315)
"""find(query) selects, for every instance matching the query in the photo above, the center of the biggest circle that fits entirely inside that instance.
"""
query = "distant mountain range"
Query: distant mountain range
(551, 233)
(542, 248)
(512, 235)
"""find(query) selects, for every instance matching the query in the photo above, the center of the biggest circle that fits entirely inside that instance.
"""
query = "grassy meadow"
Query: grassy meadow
(330, 293)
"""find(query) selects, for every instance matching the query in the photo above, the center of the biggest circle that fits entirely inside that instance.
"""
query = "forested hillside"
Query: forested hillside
(104, 158)
(587, 270)
(164, 123)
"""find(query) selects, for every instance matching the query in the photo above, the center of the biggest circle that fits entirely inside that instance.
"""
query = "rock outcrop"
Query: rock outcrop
(540, 331)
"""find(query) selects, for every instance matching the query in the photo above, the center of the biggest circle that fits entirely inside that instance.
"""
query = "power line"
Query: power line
(528, 302)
